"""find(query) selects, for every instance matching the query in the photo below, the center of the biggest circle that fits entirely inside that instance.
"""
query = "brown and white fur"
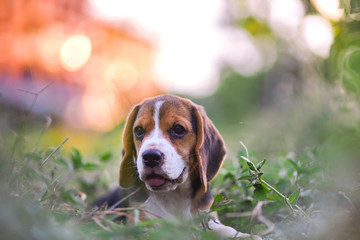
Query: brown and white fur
(174, 149)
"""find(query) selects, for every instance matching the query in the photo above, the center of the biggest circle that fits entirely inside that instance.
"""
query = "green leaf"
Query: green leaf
(63, 162)
(249, 163)
(251, 166)
(260, 164)
(76, 159)
(294, 196)
(105, 157)
(220, 202)
(229, 175)
(218, 198)
(253, 178)
(274, 197)
(295, 164)
(91, 166)
(246, 177)
(258, 227)
(260, 192)
(152, 222)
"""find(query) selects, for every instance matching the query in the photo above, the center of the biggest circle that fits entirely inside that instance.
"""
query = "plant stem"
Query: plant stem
(55, 150)
(286, 200)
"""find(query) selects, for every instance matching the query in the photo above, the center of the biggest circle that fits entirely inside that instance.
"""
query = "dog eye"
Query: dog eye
(178, 131)
(139, 133)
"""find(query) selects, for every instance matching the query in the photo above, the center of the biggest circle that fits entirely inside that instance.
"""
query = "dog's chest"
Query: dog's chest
(171, 204)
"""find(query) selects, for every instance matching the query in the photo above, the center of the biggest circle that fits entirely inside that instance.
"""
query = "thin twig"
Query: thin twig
(246, 150)
(147, 211)
(286, 200)
(47, 125)
(341, 193)
(36, 95)
(22, 128)
(115, 213)
(38, 92)
(48, 122)
(123, 199)
(27, 91)
(53, 152)
(236, 215)
(257, 212)
(98, 222)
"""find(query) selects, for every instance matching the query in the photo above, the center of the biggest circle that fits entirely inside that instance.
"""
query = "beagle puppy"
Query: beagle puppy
(174, 149)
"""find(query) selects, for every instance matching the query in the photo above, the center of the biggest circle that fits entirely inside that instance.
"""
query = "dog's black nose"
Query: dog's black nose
(152, 157)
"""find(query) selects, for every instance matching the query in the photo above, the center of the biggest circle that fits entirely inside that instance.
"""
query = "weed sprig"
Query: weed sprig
(255, 177)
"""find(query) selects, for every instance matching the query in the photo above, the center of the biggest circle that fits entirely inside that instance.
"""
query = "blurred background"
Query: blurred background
(283, 76)
(100, 57)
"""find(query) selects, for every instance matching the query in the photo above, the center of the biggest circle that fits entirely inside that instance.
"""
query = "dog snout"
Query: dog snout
(152, 157)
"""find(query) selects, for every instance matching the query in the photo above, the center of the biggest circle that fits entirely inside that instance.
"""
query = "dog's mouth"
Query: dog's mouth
(156, 181)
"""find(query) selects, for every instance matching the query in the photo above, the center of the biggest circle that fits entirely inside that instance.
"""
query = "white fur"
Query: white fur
(173, 162)
(171, 204)
(226, 232)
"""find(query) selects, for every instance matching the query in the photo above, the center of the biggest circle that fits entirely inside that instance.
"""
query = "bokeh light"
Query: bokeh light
(329, 8)
(318, 36)
(121, 74)
(114, 49)
(49, 45)
(243, 54)
(285, 16)
(186, 58)
(75, 52)
(99, 112)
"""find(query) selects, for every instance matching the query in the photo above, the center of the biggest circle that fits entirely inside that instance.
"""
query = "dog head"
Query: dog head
(168, 140)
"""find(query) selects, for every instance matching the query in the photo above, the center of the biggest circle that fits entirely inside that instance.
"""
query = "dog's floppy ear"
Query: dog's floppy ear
(127, 166)
(209, 149)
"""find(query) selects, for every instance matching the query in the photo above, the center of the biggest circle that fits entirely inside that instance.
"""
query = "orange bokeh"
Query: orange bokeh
(59, 42)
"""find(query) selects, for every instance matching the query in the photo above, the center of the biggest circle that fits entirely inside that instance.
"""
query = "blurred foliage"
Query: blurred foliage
(302, 115)
(308, 128)
(345, 56)
(255, 27)
(237, 95)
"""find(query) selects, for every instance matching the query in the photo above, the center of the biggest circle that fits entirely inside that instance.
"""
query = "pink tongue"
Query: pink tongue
(155, 181)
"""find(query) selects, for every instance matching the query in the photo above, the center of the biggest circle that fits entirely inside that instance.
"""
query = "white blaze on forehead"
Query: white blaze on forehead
(157, 118)
(173, 163)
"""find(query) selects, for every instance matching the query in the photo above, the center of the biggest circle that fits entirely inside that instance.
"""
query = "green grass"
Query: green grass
(308, 189)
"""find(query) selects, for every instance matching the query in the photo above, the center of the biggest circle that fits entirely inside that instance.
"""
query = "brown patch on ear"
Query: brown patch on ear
(127, 166)
(209, 149)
